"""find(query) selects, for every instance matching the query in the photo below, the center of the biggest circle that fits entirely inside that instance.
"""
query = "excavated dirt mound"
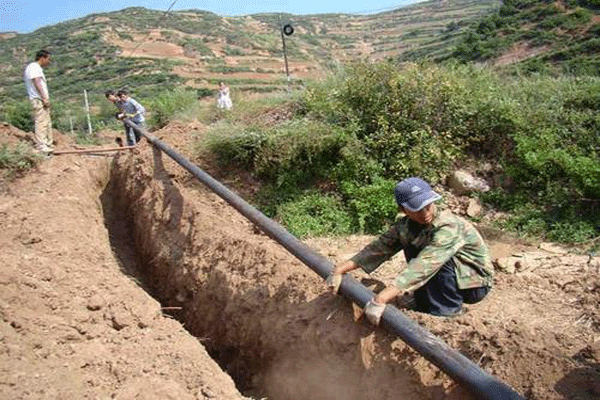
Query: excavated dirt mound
(121, 275)
(73, 324)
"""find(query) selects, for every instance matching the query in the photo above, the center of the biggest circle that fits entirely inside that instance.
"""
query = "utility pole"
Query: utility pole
(287, 70)
(286, 30)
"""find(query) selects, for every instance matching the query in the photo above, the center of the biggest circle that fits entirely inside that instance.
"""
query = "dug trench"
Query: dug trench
(86, 239)
(262, 315)
(269, 322)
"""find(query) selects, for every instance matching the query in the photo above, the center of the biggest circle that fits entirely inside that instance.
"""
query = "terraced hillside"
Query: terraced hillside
(143, 48)
(539, 36)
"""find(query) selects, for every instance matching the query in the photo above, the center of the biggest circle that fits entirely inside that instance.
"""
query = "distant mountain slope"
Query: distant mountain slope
(143, 49)
(556, 36)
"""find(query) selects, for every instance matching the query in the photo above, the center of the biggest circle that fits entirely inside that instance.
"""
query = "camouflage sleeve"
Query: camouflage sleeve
(380, 250)
(445, 243)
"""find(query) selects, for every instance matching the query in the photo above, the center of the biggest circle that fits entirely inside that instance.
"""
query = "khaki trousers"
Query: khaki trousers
(43, 124)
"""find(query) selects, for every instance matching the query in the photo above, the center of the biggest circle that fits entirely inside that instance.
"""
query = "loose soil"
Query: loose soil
(122, 277)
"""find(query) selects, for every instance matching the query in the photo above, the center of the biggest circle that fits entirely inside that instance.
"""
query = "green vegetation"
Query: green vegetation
(193, 46)
(85, 57)
(331, 165)
(18, 114)
(15, 160)
(352, 137)
(233, 51)
(229, 70)
(315, 214)
(166, 105)
(570, 42)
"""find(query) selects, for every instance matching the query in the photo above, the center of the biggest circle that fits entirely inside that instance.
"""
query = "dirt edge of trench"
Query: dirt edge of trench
(263, 315)
(272, 327)
(72, 324)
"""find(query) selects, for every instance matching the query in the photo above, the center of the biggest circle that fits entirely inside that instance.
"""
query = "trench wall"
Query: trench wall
(72, 324)
(266, 317)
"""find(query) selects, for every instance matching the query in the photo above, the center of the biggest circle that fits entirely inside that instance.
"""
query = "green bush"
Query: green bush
(204, 92)
(354, 135)
(192, 46)
(554, 158)
(563, 223)
(417, 120)
(299, 151)
(593, 4)
(315, 214)
(581, 16)
(554, 21)
(163, 106)
(19, 114)
(371, 206)
(413, 119)
(233, 51)
(14, 160)
(233, 146)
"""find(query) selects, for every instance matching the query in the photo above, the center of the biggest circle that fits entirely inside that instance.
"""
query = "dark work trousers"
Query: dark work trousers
(440, 295)
(132, 136)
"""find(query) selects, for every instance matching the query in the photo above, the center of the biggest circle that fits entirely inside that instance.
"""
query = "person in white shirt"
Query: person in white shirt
(37, 90)
(224, 99)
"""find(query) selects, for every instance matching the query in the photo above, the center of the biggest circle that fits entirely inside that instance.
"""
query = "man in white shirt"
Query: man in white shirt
(37, 90)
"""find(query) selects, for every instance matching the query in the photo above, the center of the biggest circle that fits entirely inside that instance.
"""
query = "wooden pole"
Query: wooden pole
(87, 151)
(87, 110)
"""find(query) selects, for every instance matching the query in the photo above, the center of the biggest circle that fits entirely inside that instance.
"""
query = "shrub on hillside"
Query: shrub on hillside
(593, 4)
(15, 160)
(19, 114)
(298, 152)
(419, 120)
(314, 214)
(410, 119)
(234, 146)
(354, 135)
(371, 206)
(163, 106)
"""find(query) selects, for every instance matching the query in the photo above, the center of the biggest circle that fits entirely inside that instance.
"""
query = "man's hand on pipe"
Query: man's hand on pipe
(334, 280)
(374, 311)
(375, 307)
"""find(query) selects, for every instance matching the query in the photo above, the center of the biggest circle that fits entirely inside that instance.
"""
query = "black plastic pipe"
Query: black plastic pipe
(458, 367)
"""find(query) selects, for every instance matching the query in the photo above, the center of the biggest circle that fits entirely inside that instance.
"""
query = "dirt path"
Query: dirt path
(86, 242)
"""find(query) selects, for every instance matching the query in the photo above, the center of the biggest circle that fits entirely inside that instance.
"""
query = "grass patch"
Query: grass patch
(16, 160)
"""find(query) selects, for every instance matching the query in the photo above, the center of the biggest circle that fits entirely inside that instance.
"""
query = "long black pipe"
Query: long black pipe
(458, 367)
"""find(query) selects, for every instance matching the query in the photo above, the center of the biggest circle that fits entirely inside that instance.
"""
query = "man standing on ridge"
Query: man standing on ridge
(37, 90)
(448, 262)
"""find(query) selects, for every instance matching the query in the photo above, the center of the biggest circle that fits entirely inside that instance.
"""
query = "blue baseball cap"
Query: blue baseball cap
(414, 194)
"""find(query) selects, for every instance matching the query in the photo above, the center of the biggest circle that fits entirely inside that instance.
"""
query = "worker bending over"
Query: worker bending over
(448, 262)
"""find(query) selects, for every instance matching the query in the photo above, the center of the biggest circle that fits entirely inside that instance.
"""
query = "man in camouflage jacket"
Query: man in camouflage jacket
(448, 262)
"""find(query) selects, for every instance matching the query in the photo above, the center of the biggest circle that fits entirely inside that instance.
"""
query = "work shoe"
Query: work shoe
(457, 313)
(44, 150)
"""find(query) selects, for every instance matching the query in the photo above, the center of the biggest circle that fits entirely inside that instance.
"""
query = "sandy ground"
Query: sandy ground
(74, 324)
(124, 278)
